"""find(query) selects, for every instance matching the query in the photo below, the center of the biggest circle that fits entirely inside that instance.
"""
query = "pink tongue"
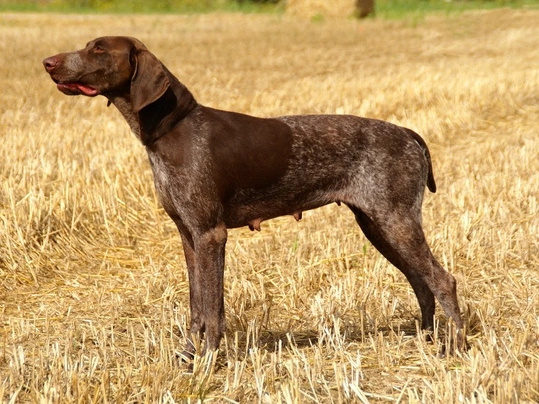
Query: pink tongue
(87, 90)
(80, 88)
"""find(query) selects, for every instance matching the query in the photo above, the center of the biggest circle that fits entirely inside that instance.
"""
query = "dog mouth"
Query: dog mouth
(76, 89)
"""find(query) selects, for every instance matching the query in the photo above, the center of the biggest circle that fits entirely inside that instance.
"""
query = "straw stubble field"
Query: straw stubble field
(93, 287)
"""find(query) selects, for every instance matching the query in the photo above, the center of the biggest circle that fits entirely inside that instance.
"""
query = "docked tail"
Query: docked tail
(431, 184)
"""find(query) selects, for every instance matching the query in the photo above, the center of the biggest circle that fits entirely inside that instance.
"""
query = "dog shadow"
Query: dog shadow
(274, 340)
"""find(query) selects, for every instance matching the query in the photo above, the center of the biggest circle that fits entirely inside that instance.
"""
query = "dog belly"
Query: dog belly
(251, 212)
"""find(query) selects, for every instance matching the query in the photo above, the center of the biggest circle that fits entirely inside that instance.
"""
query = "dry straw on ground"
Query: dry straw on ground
(93, 288)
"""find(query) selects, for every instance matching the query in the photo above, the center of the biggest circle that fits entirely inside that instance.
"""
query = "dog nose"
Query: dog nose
(50, 63)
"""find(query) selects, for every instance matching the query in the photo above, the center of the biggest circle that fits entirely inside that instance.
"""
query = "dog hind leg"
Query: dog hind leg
(401, 240)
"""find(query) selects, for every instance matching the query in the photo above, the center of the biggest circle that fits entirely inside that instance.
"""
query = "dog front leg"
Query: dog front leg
(196, 328)
(209, 268)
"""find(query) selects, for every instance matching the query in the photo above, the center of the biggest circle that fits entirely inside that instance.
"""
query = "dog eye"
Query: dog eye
(98, 49)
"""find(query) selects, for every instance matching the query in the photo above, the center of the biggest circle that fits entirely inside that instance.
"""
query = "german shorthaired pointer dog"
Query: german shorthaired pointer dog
(215, 170)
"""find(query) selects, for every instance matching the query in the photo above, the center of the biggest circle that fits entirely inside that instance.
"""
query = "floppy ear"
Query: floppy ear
(149, 81)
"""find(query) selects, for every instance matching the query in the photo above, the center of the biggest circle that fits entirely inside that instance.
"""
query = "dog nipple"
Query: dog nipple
(255, 224)
(298, 216)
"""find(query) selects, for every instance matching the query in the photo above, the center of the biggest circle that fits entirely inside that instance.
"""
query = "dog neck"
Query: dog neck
(158, 118)
(123, 103)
